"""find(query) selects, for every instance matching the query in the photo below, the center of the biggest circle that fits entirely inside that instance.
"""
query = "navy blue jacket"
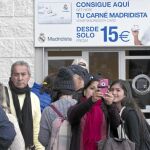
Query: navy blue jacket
(7, 131)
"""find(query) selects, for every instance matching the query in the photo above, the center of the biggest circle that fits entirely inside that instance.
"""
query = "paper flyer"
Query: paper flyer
(54, 13)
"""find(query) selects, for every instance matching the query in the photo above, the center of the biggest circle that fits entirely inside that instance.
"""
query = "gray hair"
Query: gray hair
(21, 63)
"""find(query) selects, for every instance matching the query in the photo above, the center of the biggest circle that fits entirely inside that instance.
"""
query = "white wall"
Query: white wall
(16, 35)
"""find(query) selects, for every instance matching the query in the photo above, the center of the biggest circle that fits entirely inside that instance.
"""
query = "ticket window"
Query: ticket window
(137, 63)
(105, 63)
(54, 65)
(58, 59)
(135, 67)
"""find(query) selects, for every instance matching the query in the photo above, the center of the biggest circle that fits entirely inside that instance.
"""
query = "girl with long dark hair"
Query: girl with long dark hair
(136, 127)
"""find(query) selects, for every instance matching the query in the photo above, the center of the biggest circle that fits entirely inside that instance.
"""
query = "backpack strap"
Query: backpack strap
(7, 97)
(57, 111)
(6, 100)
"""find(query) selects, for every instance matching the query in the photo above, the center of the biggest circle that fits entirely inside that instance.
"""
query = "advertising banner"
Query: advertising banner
(77, 23)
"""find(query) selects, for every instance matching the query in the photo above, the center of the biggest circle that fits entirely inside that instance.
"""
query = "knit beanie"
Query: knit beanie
(64, 80)
(77, 69)
(81, 62)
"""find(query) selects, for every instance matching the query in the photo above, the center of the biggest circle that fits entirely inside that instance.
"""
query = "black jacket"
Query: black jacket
(136, 130)
(76, 112)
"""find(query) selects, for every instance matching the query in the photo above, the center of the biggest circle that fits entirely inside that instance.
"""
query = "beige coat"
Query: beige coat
(18, 143)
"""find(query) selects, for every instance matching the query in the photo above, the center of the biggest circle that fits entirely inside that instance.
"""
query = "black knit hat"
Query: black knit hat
(77, 69)
(64, 80)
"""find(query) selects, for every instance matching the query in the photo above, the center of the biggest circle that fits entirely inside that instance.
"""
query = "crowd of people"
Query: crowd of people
(26, 120)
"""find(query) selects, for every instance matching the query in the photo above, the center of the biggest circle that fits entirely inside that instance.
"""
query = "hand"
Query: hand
(96, 95)
(109, 98)
(135, 33)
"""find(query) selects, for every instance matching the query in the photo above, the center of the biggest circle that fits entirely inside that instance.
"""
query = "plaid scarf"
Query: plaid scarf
(24, 116)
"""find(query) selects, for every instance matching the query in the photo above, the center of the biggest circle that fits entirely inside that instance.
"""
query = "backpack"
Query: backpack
(61, 132)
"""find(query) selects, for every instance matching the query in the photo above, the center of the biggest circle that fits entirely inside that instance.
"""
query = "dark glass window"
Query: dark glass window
(138, 53)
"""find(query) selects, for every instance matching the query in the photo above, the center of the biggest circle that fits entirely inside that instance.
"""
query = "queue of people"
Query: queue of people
(29, 119)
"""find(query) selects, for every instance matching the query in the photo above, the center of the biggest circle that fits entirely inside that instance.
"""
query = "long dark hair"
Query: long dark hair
(90, 82)
(129, 101)
(93, 79)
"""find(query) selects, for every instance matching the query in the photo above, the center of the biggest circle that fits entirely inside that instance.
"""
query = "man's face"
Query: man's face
(20, 76)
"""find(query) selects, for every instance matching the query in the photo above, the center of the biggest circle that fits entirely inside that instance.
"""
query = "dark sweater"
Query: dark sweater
(76, 112)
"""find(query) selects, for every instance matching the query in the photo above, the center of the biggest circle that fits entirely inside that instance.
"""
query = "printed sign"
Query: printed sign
(92, 23)
(54, 13)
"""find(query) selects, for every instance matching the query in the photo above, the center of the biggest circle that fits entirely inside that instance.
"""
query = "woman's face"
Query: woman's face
(117, 92)
(91, 88)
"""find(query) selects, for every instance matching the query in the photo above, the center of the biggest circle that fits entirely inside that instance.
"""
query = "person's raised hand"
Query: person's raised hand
(109, 98)
(96, 95)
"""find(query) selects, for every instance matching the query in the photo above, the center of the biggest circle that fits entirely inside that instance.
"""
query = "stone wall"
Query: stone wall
(16, 35)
